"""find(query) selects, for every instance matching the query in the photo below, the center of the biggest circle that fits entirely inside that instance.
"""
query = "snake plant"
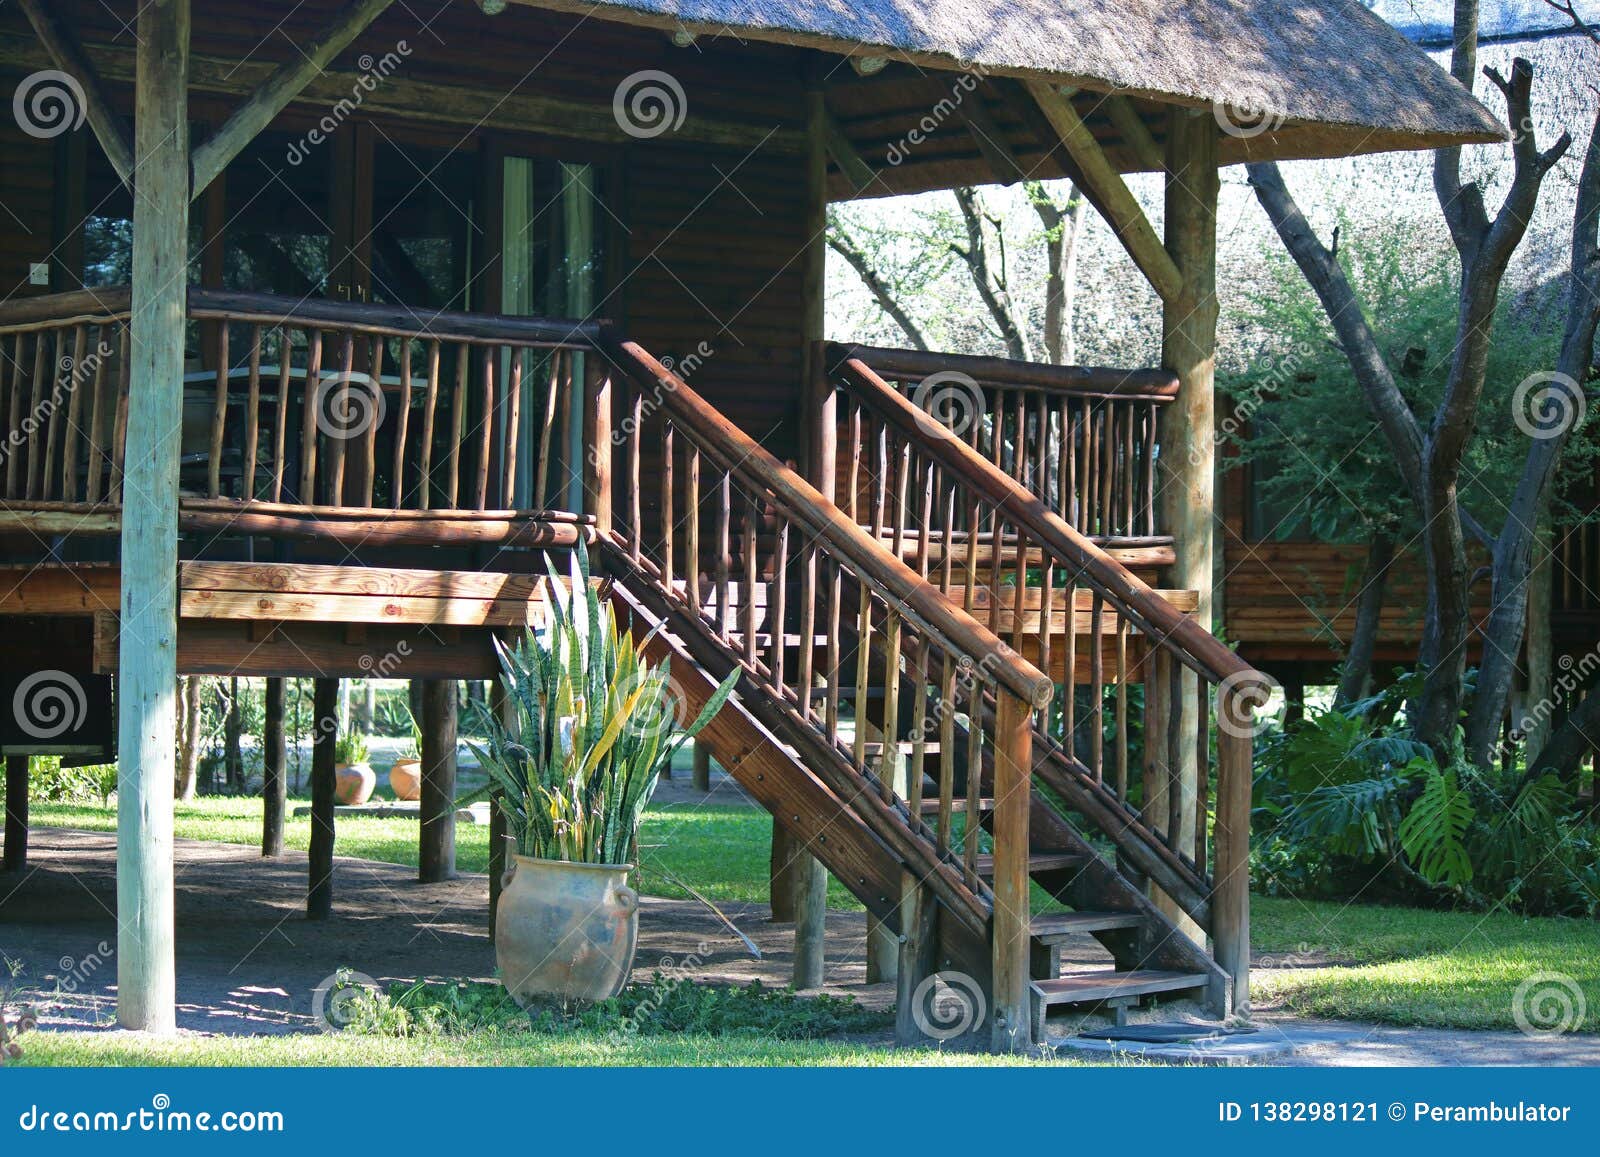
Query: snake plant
(589, 727)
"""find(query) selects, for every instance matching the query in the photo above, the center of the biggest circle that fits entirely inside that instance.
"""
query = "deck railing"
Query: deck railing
(302, 403)
(1082, 439)
(1135, 764)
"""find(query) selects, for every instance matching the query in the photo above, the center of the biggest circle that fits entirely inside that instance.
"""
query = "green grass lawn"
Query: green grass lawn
(1394, 965)
(1411, 967)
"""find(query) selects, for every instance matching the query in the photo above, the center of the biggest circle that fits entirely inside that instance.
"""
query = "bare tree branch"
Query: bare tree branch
(990, 283)
(840, 241)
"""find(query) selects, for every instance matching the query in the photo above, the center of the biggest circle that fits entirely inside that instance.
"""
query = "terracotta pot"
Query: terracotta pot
(405, 778)
(354, 783)
(565, 930)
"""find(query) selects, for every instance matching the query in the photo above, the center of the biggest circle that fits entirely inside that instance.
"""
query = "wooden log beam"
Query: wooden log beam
(324, 786)
(844, 154)
(16, 853)
(148, 678)
(436, 837)
(992, 143)
(68, 56)
(1011, 1019)
(1140, 142)
(919, 957)
(1116, 202)
(274, 766)
(286, 83)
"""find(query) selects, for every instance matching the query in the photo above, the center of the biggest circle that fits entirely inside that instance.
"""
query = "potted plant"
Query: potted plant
(591, 726)
(405, 773)
(354, 776)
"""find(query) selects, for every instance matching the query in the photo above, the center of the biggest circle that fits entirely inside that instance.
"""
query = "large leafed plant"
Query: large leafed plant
(590, 727)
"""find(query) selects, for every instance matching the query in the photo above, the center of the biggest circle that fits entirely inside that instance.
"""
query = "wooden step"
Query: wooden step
(1101, 985)
(1037, 862)
(930, 807)
(1055, 927)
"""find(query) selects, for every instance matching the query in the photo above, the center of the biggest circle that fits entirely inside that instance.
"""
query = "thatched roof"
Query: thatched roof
(1336, 76)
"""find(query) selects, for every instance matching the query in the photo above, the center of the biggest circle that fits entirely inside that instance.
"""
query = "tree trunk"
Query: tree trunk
(233, 738)
(1355, 678)
(1571, 743)
(189, 747)
(274, 756)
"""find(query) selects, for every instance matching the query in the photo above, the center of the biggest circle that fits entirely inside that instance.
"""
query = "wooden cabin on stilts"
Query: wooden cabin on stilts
(332, 320)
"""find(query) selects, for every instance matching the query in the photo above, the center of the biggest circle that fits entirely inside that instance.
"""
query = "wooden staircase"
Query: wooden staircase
(918, 752)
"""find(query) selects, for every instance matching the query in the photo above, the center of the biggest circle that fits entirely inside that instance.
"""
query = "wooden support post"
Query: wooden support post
(275, 93)
(436, 847)
(1188, 469)
(147, 694)
(781, 894)
(16, 854)
(1230, 901)
(919, 955)
(1011, 1018)
(324, 785)
(597, 436)
(808, 878)
(810, 919)
(499, 848)
(701, 773)
(274, 765)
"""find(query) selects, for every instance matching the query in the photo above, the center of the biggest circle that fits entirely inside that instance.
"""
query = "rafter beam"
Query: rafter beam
(1122, 212)
(991, 142)
(68, 56)
(1140, 141)
(285, 83)
(844, 154)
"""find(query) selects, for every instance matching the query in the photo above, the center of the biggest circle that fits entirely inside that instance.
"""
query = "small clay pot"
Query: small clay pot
(405, 779)
(353, 783)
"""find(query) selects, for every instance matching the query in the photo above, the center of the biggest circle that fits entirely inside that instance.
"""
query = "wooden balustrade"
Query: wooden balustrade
(1122, 654)
(1082, 439)
(908, 693)
(302, 403)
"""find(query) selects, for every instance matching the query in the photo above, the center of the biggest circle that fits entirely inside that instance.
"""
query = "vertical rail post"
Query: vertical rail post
(1013, 798)
(1230, 901)
(148, 675)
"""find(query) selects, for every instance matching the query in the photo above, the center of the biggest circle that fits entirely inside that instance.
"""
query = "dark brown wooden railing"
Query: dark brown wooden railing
(905, 697)
(1082, 439)
(998, 550)
(302, 403)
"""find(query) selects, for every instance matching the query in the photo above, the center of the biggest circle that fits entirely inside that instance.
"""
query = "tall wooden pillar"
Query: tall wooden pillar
(324, 786)
(16, 854)
(1188, 432)
(808, 879)
(274, 764)
(436, 847)
(147, 670)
